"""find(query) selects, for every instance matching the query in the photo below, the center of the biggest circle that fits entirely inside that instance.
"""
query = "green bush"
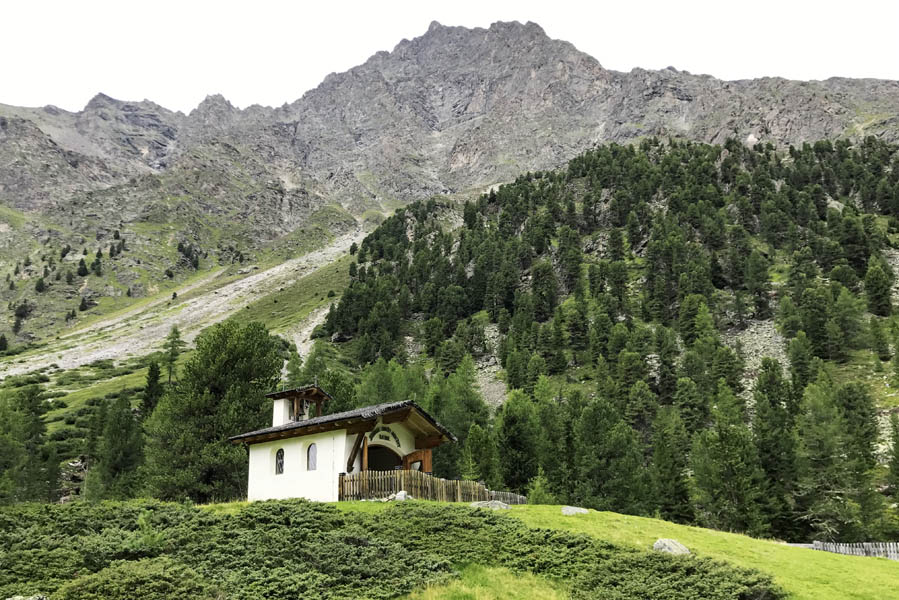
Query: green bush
(655, 576)
(151, 579)
(290, 549)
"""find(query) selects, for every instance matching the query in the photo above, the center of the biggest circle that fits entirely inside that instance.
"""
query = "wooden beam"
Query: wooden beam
(353, 426)
(363, 427)
(364, 453)
(354, 452)
(426, 464)
(396, 417)
(428, 442)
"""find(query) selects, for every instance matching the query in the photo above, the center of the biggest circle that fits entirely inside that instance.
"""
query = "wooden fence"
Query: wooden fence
(372, 485)
(888, 550)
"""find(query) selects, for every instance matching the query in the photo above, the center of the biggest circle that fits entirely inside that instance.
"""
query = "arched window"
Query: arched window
(279, 461)
(310, 457)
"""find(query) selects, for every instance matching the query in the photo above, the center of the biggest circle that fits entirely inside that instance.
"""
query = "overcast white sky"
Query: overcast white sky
(270, 52)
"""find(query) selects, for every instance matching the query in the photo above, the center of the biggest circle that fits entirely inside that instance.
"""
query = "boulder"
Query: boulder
(670, 546)
(574, 510)
(491, 504)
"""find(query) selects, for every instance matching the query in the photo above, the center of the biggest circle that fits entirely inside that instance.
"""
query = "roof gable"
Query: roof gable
(357, 420)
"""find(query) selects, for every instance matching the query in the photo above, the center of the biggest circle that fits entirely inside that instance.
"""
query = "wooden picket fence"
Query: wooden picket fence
(888, 550)
(373, 485)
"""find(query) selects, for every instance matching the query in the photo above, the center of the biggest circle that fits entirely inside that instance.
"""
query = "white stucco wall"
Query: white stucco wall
(280, 411)
(296, 481)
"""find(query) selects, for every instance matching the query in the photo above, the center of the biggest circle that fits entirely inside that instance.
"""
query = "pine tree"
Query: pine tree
(877, 290)
(152, 390)
(4, 345)
(40, 286)
(693, 408)
(219, 394)
(609, 461)
(729, 480)
(879, 342)
(119, 453)
(82, 268)
(83, 306)
(538, 489)
(171, 348)
(756, 282)
(800, 354)
(517, 441)
(775, 439)
(860, 419)
(825, 475)
(893, 472)
(545, 289)
(641, 408)
(671, 447)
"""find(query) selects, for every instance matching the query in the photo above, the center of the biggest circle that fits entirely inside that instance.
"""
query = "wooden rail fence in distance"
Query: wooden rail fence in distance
(373, 485)
(888, 550)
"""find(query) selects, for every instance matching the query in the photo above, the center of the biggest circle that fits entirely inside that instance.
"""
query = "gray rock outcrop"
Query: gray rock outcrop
(574, 510)
(670, 546)
(491, 504)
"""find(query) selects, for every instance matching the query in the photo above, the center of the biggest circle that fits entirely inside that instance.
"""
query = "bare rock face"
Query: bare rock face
(451, 111)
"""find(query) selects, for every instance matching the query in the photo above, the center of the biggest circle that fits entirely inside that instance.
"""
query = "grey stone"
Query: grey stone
(491, 504)
(574, 510)
(670, 546)
(400, 496)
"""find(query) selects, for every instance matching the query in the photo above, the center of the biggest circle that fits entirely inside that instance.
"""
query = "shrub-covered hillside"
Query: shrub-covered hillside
(292, 549)
(616, 294)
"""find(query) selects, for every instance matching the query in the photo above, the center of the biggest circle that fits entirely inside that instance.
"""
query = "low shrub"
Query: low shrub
(151, 579)
(293, 548)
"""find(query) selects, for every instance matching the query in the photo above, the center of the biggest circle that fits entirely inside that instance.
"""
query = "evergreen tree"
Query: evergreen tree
(40, 286)
(119, 453)
(220, 394)
(800, 354)
(25, 453)
(481, 445)
(609, 461)
(172, 347)
(517, 442)
(82, 268)
(4, 345)
(860, 419)
(83, 306)
(729, 482)
(879, 342)
(775, 439)
(693, 408)
(877, 290)
(538, 489)
(671, 447)
(152, 390)
(756, 282)
(893, 472)
(825, 475)
(545, 289)
(294, 370)
(457, 404)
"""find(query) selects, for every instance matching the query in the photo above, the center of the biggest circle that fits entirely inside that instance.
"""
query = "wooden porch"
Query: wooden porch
(374, 485)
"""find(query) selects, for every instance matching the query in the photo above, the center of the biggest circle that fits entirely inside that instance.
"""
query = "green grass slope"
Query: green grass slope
(804, 574)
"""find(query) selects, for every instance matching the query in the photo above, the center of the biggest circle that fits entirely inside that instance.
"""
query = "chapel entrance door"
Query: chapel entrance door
(382, 458)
